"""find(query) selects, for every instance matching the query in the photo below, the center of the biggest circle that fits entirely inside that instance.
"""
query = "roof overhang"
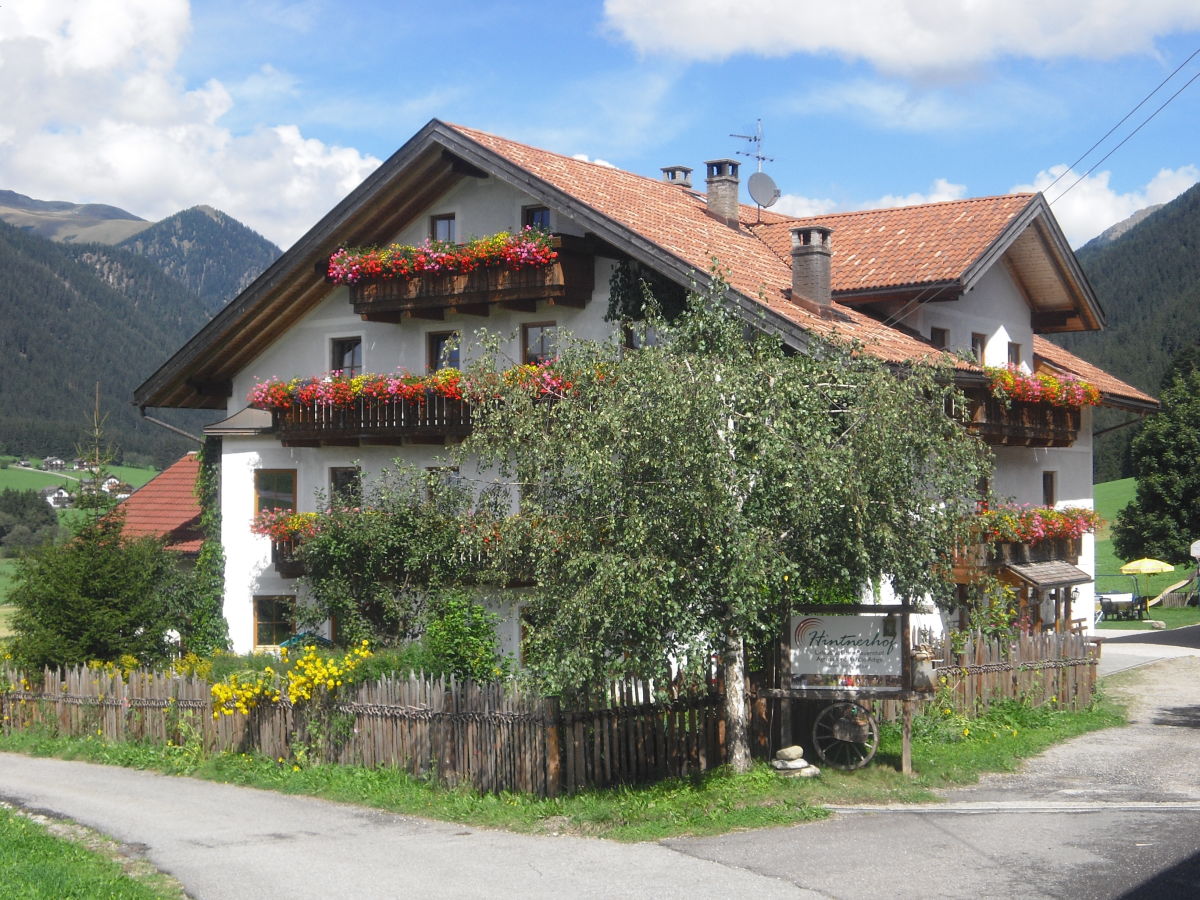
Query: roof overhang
(437, 157)
(1044, 576)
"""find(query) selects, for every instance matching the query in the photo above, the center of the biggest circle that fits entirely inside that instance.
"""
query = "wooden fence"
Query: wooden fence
(1037, 668)
(496, 737)
(504, 737)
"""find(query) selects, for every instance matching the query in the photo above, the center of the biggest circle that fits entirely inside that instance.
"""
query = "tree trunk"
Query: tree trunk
(737, 716)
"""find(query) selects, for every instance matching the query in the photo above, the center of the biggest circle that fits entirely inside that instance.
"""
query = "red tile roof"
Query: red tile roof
(910, 246)
(166, 506)
(1108, 384)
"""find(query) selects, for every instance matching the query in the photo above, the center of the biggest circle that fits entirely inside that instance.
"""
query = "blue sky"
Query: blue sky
(273, 110)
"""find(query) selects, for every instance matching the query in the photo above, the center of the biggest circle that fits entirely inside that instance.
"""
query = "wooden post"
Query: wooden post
(906, 738)
(784, 674)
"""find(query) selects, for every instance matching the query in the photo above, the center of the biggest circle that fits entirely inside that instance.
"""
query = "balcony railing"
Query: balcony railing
(568, 281)
(1021, 423)
(368, 422)
(983, 557)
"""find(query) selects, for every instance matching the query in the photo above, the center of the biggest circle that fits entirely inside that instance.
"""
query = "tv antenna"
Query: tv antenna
(761, 185)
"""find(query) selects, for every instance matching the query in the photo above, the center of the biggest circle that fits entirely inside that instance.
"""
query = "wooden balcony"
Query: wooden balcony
(568, 281)
(432, 418)
(981, 558)
(1022, 424)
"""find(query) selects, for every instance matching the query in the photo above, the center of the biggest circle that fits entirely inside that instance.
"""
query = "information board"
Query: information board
(847, 651)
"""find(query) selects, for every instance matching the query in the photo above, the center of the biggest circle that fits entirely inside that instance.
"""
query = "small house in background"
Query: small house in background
(78, 463)
(23, 463)
(166, 507)
(58, 497)
(53, 464)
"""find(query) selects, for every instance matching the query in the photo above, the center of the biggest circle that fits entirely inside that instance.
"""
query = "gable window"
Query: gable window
(441, 228)
(274, 489)
(346, 356)
(272, 620)
(1014, 354)
(536, 217)
(978, 346)
(441, 350)
(537, 342)
(939, 337)
(345, 485)
(1049, 488)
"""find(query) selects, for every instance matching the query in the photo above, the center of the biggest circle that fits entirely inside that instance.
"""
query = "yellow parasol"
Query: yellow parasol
(1146, 566)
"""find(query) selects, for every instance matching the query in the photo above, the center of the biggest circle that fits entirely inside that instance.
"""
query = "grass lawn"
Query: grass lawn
(7, 567)
(947, 750)
(1111, 497)
(31, 480)
(38, 865)
(6, 614)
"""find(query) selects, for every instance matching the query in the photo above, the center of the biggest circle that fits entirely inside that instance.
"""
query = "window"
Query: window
(274, 489)
(272, 620)
(441, 228)
(536, 217)
(1014, 354)
(441, 350)
(346, 356)
(640, 335)
(537, 342)
(447, 476)
(345, 485)
(978, 346)
(1049, 489)
(939, 337)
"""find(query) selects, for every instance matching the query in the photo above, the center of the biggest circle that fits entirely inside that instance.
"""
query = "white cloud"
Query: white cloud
(583, 157)
(891, 106)
(95, 112)
(901, 35)
(1093, 205)
(796, 205)
(939, 192)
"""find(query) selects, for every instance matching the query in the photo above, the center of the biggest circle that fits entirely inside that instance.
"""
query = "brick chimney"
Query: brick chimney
(680, 175)
(722, 184)
(811, 256)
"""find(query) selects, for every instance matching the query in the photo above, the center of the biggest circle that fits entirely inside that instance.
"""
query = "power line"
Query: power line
(1142, 103)
(1127, 137)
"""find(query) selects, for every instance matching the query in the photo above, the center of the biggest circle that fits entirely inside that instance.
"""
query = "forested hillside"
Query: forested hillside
(206, 251)
(72, 316)
(86, 300)
(1148, 281)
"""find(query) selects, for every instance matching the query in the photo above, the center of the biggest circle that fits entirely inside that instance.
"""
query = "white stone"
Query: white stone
(784, 765)
(809, 772)
(793, 752)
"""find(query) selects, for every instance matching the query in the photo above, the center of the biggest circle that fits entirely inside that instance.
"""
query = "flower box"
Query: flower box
(1023, 423)
(283, 558)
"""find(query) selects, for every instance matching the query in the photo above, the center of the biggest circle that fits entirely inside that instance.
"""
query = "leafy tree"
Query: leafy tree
(97, 596)
(460, 635)
(680, 499)
(26, 520)
(373, 568)
(1163, 519)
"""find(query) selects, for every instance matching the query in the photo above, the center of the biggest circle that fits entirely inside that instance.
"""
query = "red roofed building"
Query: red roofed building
(166, 507)
(970, 281)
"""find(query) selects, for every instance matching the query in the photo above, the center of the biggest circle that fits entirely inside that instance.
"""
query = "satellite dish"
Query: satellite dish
(762, 189)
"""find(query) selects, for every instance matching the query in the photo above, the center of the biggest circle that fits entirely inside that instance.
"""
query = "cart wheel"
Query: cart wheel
(845, 735)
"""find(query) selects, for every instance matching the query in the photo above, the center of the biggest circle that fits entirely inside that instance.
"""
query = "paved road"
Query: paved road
(1108, 815)
(1126, 649)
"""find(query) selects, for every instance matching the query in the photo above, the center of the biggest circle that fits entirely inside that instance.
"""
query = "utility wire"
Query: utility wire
(1085, 154)
(1144, 122)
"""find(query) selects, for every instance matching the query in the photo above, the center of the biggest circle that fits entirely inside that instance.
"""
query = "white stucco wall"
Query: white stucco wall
(481, 207)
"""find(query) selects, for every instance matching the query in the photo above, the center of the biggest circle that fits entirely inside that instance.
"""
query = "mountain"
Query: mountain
(72, 317)
(57, 220)
(1148, 281)
(1110, 234)
(212, 254)
(75, 313)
